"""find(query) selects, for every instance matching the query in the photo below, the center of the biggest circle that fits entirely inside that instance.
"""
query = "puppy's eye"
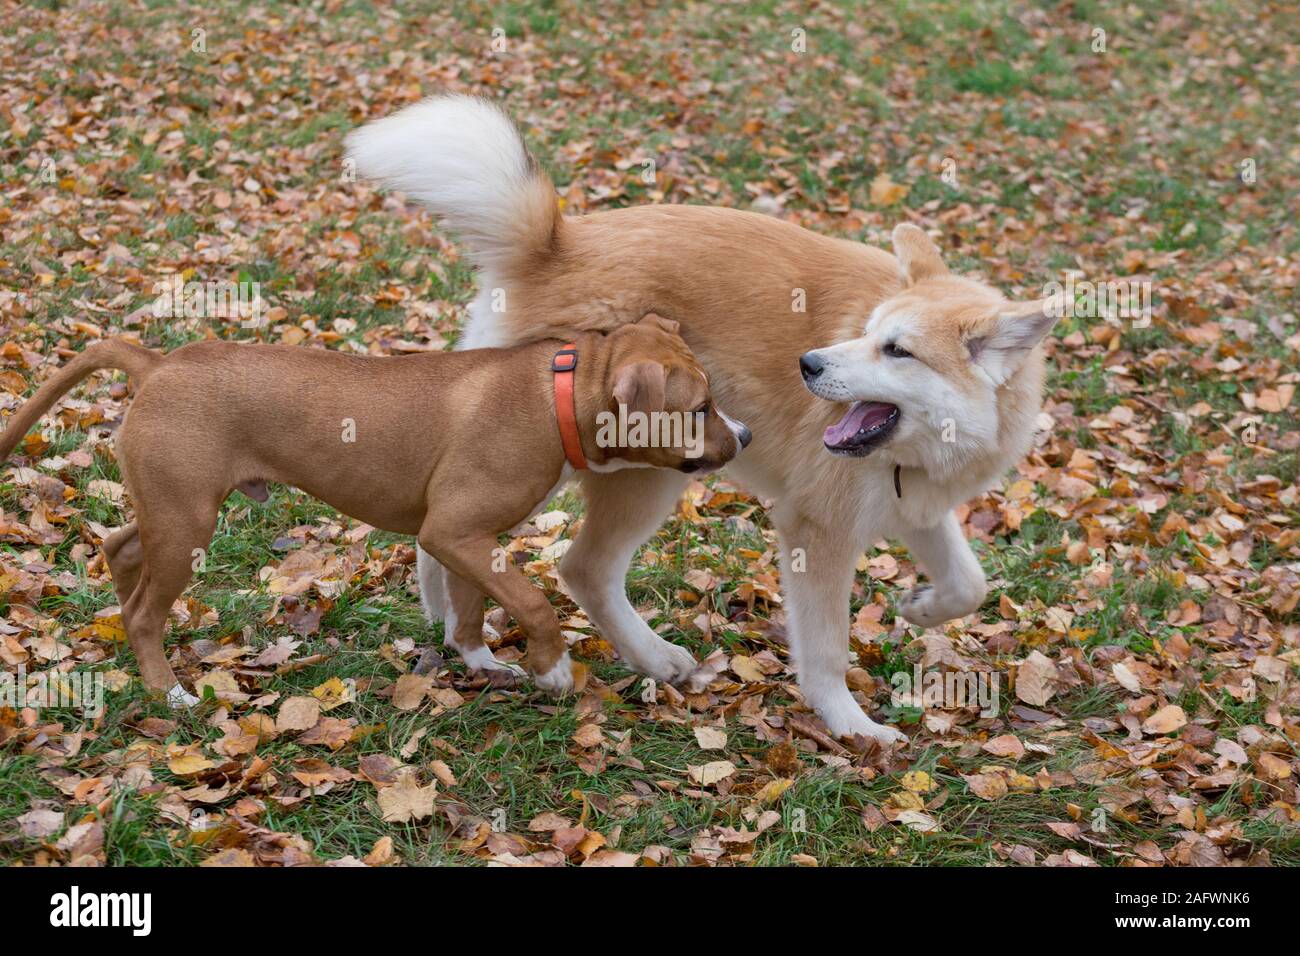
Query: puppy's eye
(703, 409)
(893, 351)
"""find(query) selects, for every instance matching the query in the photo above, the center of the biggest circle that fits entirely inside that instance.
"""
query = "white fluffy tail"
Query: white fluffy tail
(464, 158)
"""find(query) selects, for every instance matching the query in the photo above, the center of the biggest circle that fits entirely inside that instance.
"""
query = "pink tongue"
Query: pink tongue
(860, 415)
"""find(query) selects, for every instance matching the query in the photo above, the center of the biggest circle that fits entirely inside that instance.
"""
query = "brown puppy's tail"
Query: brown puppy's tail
(465, 159)
(133, 359)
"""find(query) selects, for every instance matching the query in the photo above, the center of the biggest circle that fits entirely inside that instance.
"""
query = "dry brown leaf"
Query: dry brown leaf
(410, 690)
(297, 713)
(406, 800)
(1036, 680)
(1165, 720)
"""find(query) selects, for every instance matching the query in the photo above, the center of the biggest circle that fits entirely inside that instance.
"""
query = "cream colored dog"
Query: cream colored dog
(922, 387)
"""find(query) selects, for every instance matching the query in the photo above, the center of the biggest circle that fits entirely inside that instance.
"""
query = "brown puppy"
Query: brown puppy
(454, 448)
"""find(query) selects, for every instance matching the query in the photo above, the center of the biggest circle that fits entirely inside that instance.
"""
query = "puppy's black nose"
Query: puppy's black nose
(745, 436)
(810, 365)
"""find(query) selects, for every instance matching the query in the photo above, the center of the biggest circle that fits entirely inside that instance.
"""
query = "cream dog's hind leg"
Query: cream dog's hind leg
(459, 605)
(428, 572)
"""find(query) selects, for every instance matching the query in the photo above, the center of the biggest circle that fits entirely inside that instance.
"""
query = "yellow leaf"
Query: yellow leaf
(110, 628)
(906, 800)
(773, 789)
(1274, 766)
(189, 764)
(333, 693)
(918, 781)
(223, 684)
(590, 843)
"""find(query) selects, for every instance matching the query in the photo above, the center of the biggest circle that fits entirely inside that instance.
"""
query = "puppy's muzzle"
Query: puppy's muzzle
(739, 429)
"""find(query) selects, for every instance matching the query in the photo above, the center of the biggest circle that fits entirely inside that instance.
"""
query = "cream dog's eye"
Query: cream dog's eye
(703, 409)
(893, 351)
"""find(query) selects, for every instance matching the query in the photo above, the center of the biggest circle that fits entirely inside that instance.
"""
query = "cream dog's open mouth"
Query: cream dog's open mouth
(864, 427)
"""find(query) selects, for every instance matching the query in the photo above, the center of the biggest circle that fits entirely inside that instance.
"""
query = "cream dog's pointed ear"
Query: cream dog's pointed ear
(640, 386)
(1020, 326)
(918, 257)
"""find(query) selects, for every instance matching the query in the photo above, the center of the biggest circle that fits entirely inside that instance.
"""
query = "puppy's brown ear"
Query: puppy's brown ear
(654, 318)
(918, 257)
(640, 386)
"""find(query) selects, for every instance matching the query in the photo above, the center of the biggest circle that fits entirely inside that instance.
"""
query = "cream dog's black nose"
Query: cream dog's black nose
(810, 365)
(744, 436)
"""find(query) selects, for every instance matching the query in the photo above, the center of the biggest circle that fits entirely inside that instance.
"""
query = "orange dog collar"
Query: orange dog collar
(563, 365)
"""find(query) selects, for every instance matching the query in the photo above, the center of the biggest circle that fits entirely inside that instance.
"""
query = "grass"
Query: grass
(1064, 157)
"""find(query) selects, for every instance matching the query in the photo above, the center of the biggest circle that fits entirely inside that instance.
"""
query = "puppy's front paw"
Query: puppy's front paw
(558, 681)
(926, 607)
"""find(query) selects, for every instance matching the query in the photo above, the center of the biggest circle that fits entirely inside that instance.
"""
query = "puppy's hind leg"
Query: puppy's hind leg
(957, 586)
(623, 509)
(168, 538)
(125, 560)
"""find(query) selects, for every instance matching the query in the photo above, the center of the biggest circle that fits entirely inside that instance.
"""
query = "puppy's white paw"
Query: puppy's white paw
(178, 698)
(926, 607)
(558, 681)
